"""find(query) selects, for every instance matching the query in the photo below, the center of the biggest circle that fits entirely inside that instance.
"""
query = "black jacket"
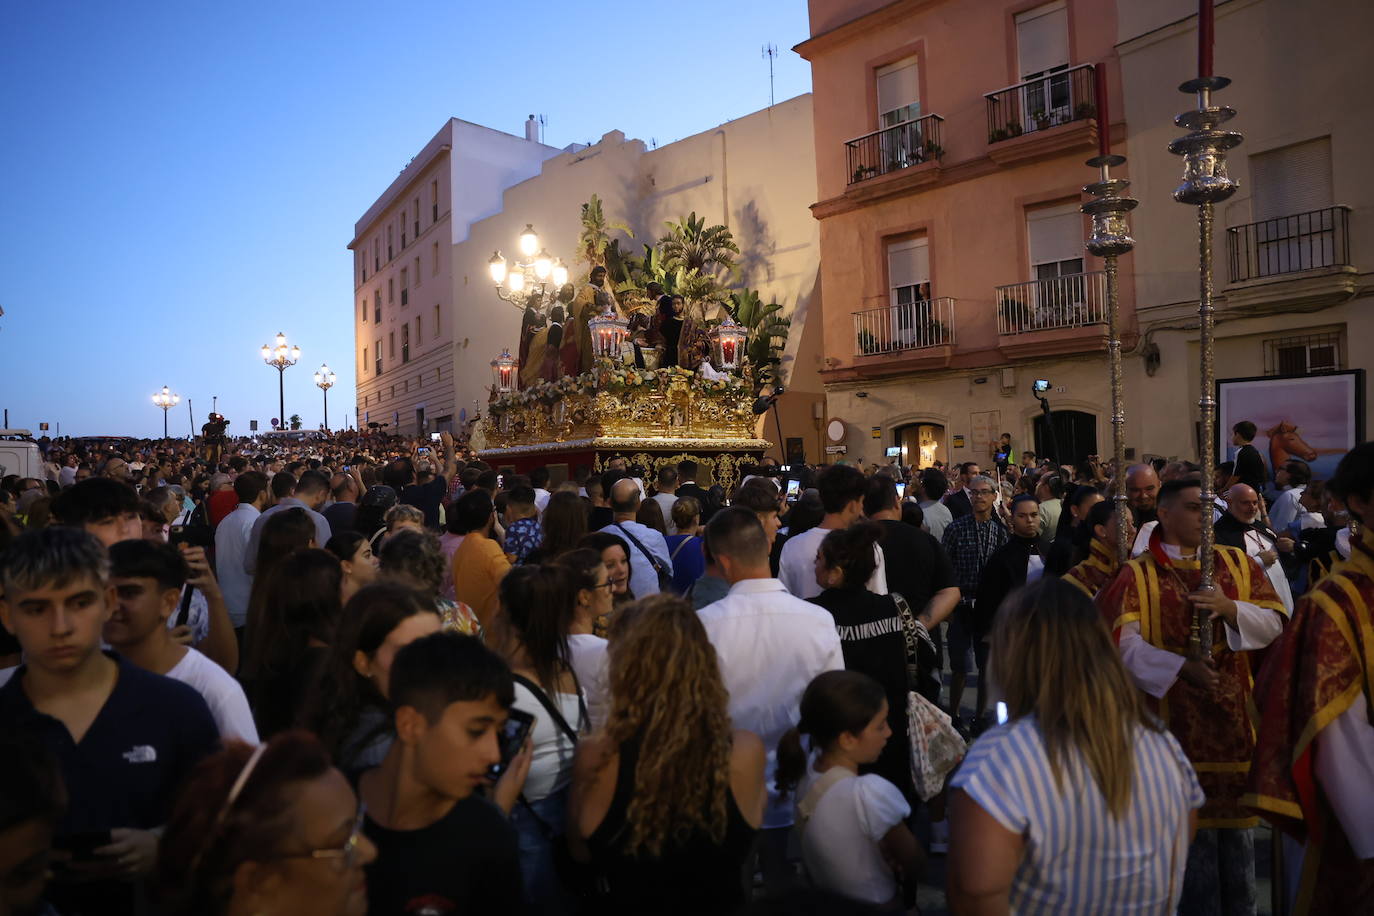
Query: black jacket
(957, 503)
(1004, 573)
(708, 505)
(1230, 531)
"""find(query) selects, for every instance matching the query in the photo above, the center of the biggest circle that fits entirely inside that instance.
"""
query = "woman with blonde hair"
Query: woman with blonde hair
(1081, 802)
(667, 799)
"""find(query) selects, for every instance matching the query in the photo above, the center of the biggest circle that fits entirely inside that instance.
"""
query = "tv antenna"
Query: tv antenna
(770, 51)
(543, 123)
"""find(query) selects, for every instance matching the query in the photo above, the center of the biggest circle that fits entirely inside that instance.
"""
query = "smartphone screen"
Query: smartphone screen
(518, 726)
(901, 491)
(1001, 713)
(434, 437)
(422, 450)
(793, 489)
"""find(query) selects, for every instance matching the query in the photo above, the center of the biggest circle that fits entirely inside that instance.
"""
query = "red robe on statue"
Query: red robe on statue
(1321, 666)
(1215, 729)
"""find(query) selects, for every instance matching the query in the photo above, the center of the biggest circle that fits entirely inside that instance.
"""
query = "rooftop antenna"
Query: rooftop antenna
(543, 122)
(770, 51)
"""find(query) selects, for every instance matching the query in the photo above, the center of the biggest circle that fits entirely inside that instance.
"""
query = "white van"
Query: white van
(19, 454)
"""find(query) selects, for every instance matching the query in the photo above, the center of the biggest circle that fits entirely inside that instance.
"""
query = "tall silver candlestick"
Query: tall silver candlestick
(1205, 182)
(1110, 238)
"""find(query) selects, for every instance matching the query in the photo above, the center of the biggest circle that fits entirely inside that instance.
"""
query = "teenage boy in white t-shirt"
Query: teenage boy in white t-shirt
(148, 579)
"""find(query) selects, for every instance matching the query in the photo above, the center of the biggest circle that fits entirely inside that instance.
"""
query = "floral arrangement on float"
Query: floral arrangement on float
(620, 381)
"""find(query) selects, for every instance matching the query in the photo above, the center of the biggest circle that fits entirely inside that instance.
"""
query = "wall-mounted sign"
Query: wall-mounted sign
(836, 449)
(877, 432)
(958, 442)
(835, 430)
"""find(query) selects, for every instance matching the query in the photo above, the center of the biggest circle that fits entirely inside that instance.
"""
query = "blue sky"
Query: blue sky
(178, 180)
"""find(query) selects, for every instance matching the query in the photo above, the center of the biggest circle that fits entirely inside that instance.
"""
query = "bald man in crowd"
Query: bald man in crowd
(1142, 492)
(648, 549)
(1242, 526)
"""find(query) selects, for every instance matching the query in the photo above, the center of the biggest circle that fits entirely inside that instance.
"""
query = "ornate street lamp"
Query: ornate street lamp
(503, 370)
(531, 281)
(727, 343)
(325, 378)
(166, 399)
(281, 357)
(608, 332)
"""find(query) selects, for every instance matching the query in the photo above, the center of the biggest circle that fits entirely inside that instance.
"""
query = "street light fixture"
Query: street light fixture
(281, 357)
(166, 399)
(325, 379)
(531, 281)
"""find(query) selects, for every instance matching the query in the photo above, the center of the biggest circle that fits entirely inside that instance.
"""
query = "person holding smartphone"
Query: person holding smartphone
(441, 842)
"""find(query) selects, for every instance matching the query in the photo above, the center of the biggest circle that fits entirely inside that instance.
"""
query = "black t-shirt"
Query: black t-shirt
(1250, 467)
(465, 862)
(127, 769)
(917, 565)
(873, 641)
(426, 497)
(341, 517)
(600, 517)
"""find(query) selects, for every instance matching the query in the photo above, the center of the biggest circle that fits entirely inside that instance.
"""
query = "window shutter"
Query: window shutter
(908, 263)
(1056, 234)
(1042, 38)
(1291, 180)
(899, 85)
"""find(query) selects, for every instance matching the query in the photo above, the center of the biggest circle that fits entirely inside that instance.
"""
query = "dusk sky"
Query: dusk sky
(180, 179)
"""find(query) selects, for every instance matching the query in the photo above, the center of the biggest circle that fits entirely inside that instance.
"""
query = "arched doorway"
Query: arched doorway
(1075, 437)
(922, 444)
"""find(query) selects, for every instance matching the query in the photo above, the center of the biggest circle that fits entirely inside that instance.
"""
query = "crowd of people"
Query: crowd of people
(366, 674)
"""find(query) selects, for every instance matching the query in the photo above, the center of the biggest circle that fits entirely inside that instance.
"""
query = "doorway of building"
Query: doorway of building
(922, 444)
(1075, 437)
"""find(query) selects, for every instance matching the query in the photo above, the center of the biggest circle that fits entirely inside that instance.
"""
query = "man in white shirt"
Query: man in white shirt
(842, 490)
(147, 579)
(1292, 478)
(935, 513)
(667, 495)
(770, 646)
(642, 539)
(231, 545)
(539, 479)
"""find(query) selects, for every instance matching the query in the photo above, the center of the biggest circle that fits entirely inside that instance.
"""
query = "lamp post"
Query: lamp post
(1205, 183)
(527, 282)
(324, 378)
(166, 399)
(281, 357)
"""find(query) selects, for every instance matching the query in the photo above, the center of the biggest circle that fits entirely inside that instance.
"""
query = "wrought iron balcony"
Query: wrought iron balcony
(908, 326)
(1042, 103)
(893, 148)
(1069, 301)
(1287, 244)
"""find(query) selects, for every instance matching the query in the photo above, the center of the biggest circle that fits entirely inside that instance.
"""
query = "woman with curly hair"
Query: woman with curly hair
(415, 560)
(668, 798)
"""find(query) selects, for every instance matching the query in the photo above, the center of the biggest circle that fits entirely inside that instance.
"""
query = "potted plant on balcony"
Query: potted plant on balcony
(933, 150)
(1015, 128)
(1042, 120)
(868, 344)
(997, 136)
(1016, 315)
(1085, 110)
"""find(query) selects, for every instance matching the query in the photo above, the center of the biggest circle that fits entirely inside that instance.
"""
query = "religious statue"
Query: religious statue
(694, 345)
(533, 334)
(591, 301)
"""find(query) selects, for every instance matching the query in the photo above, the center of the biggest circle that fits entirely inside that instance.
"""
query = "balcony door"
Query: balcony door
(1042, 53)
(908, 273)
(1069, 439)
(899, 108)
(1056, 262)
(1292, 198)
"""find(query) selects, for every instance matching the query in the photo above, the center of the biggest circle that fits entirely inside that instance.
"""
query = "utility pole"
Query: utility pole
(770, 51)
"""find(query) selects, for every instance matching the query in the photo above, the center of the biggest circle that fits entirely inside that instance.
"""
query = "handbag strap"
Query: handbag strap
(552, 709)
(682, 544)
(653, 560)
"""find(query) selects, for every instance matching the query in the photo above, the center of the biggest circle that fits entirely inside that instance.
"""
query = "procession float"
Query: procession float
(653, 358)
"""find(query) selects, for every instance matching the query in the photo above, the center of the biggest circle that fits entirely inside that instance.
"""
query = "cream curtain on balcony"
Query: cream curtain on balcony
(899, 93)
(1056, 234)
(908, 265)
(1289, 182)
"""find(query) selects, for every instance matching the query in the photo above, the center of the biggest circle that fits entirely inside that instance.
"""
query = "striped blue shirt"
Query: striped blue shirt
(1078, 857)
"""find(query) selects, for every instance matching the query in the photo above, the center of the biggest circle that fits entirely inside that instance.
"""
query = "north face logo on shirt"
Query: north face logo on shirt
(141, 753)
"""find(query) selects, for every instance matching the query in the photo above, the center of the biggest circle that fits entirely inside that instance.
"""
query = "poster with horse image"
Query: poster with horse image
(1317, 418)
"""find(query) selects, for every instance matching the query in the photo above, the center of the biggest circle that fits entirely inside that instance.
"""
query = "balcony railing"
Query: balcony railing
(892, 148)
(1285, 244)
(1041, 103)
(909, 326)
(1070, 301)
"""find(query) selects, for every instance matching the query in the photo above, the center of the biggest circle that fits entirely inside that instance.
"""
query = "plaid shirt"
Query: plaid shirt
(969, 544)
